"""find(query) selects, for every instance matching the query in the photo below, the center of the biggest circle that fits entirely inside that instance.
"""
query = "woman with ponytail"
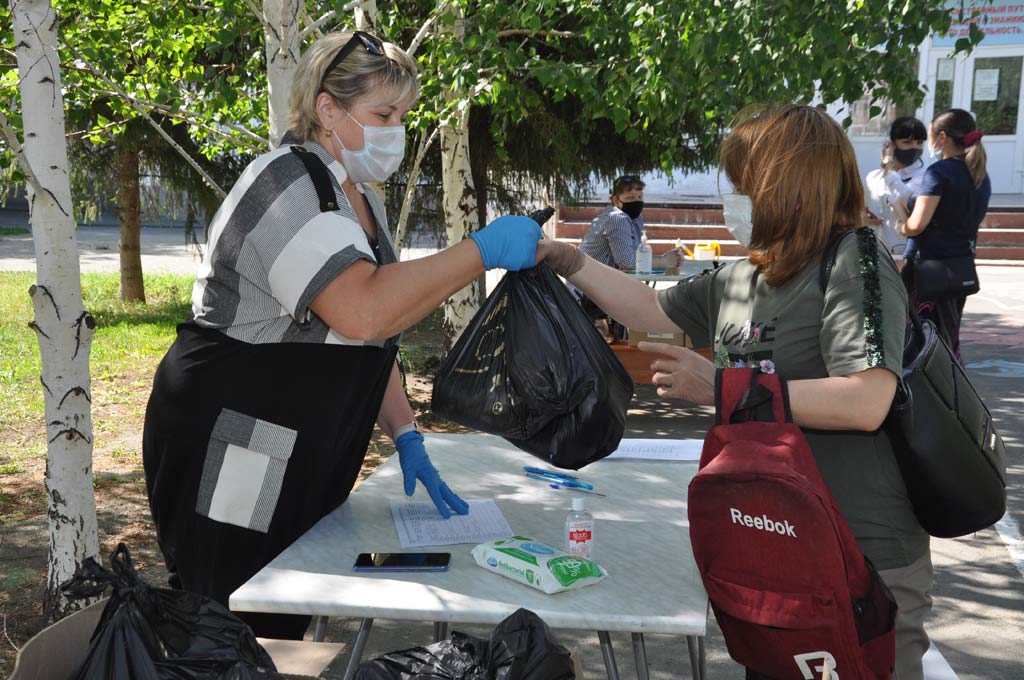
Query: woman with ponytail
(951, 201)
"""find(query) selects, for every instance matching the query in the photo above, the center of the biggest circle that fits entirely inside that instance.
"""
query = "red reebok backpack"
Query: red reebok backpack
(795, 597)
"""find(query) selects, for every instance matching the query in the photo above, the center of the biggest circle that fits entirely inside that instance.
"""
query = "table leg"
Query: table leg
(640, 654)
(695, 645)
(319, 628)
(357, 649)
(609, 655)
(442, 629)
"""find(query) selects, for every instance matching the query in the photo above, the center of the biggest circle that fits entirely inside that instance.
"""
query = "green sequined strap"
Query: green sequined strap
(874, 343)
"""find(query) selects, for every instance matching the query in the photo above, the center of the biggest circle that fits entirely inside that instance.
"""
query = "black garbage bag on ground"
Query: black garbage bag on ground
(521, 647)
(532, 368)
(148, 633)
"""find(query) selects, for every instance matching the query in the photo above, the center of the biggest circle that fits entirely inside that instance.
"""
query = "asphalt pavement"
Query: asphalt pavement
(977, 623)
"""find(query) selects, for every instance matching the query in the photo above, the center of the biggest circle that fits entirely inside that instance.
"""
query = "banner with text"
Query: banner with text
(1002, 24)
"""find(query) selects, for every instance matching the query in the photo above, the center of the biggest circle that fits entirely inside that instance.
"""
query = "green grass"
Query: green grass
(128, 336)
(11, 468)
(14, 231)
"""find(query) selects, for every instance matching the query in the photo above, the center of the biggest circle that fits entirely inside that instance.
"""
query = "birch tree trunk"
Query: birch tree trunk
(459, 201)
(281, 25)
(366, 15)
(130, 244)
(63, 328)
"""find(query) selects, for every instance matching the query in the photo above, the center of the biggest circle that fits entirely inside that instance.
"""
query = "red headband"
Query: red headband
(971, 137)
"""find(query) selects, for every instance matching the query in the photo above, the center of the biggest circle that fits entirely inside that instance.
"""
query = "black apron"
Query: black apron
(247, 446)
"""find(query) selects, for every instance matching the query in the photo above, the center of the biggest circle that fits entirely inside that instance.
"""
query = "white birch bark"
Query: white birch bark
(63, 328)
(366, 15)
(283, 44)
(459, 199)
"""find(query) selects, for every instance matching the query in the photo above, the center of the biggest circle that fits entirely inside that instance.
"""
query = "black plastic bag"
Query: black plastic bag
(149, 633)
(521, 647)
(532, 368)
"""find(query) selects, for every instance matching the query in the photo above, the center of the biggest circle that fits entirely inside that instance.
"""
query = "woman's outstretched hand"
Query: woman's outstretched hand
(681, 373)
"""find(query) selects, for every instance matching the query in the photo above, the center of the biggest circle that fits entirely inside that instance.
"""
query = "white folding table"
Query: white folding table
(641, 538)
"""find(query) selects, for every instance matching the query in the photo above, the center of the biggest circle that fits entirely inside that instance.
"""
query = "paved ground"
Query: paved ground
(978, 620)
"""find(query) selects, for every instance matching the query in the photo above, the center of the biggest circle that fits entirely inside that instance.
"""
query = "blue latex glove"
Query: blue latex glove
(412, 456)
(509, 242)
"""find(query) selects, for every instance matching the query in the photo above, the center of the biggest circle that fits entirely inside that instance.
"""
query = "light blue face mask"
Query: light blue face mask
(934, 154)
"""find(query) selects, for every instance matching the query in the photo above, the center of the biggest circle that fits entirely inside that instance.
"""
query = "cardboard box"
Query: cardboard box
(680, 339)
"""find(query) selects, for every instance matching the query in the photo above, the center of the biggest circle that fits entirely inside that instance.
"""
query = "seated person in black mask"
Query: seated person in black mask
(615, 234)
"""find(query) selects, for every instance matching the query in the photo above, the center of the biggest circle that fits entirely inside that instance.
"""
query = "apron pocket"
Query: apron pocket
(244, 469)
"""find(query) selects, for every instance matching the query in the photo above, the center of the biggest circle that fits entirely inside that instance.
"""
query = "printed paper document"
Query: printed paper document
(658, 449)
(419, 524)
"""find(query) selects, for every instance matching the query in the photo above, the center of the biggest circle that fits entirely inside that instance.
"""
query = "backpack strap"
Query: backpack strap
(748, 395)
(321, 177)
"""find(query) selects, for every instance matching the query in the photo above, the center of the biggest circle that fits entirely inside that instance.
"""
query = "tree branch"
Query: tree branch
(421, 34)
(258, 13)
(19, 153)
(193, 118)
(316, 25)
(547, 34)
(245, 144)
(163, 133)
(410, 186)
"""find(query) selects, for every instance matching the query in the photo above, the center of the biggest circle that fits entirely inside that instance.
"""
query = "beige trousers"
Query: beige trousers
(911, 586)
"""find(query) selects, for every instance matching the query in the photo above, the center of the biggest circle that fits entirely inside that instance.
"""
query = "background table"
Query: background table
(687, 269)
(641, 538)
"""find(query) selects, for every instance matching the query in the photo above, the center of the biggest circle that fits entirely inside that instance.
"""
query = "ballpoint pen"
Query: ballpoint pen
(549, 473)
(559, 477)
(563, 484)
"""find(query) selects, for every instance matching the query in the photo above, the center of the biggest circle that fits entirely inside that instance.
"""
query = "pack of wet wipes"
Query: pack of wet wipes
(537, 564)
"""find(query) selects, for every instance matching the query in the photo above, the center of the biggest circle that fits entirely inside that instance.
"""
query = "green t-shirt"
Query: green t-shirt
(800, 333)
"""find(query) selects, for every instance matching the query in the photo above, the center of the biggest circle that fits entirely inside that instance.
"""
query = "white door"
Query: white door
(988, 84)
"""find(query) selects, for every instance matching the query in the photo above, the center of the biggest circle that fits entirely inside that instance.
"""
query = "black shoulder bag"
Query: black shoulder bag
(952, 459)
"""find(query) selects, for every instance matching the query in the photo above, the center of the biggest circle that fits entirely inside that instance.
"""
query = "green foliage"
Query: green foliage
(562, 89)
(188, 63)
(559, 90)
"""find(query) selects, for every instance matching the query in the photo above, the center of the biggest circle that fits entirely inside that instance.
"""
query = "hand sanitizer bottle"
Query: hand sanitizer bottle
(644, 256)
(579, 531)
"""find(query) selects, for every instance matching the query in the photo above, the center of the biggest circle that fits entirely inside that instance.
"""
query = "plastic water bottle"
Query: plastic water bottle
(644, 256)
(579, 530)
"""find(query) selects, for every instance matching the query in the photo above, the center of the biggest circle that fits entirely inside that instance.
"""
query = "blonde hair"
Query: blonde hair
(800, 171)
(957, 124)
(395, 75)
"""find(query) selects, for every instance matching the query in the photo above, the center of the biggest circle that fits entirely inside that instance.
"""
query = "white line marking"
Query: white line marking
(935, 665)
(1009, 531)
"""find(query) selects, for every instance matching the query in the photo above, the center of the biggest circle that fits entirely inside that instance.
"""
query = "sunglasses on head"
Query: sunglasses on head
(628, 179)
(372, 44)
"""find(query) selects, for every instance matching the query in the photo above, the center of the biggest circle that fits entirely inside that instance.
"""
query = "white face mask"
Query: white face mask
(737, 209)
(382, 152)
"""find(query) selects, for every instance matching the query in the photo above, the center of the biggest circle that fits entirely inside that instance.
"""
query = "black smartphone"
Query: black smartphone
(411, 561)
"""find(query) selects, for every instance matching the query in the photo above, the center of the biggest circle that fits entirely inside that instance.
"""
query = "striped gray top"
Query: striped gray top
(270, 251)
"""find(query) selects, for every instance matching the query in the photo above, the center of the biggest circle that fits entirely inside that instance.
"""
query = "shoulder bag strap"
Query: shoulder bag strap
(828, 259)
(320, 175)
